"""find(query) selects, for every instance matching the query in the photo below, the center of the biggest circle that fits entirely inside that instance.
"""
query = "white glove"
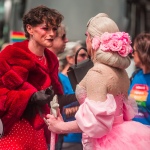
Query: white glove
(1, 128)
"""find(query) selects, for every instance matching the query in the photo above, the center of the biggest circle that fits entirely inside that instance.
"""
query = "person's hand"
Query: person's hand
(42, 97)
(55, 125)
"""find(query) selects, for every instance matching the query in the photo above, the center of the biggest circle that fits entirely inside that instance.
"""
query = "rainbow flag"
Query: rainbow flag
(17, 36)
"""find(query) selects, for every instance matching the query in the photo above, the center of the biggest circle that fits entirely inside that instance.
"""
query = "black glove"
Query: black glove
(42, 97)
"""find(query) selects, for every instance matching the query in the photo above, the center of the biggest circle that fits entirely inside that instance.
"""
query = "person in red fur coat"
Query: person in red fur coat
(27, 72)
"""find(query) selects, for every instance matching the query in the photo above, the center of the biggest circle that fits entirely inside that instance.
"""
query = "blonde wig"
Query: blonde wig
(98, 25)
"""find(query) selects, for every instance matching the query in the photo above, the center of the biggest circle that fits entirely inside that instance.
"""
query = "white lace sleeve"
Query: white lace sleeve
(130, 108)
(80, 94)
(133, 104)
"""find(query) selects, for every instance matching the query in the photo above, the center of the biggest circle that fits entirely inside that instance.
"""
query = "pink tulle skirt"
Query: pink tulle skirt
(129, 135)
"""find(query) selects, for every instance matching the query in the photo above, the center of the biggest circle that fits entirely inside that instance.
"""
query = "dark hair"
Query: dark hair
(41, 14)
(142, 46)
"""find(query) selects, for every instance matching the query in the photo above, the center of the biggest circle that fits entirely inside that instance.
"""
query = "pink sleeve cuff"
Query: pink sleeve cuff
(96, 118)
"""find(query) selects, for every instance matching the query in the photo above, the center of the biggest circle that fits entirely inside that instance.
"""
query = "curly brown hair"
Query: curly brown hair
(41, 14)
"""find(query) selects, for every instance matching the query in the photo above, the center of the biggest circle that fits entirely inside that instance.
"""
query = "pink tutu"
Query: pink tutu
(128, 135)
(107, 125)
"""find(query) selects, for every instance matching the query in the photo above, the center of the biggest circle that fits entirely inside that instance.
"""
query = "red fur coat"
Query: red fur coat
(21, 74)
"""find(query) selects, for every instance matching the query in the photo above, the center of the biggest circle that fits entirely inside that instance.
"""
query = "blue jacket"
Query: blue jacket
(71, 137)
(140, 91)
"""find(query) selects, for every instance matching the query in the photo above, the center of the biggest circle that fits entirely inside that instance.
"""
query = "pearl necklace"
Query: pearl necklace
(40, 57)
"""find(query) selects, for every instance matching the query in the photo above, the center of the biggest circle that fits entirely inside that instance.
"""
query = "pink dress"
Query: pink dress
(108, 126)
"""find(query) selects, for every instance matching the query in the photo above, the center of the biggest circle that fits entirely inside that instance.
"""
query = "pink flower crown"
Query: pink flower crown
(116, 42)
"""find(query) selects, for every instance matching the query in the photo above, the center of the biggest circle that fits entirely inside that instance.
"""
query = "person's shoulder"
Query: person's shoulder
(61, 75)
(18, 46)
(99, 68)
(8, 51)
(63, 78)
(94, 72)
(135, 74)
(23, 44)
(17, 54)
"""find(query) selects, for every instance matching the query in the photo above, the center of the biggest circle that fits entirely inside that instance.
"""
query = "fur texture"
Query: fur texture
(21, 74)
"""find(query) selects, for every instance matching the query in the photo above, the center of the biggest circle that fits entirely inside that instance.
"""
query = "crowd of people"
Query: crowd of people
(112, 112)
(29, 80)
(71, 141)
(65, 51)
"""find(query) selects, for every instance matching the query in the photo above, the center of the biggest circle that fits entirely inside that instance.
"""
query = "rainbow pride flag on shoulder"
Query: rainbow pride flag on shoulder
(17, 36)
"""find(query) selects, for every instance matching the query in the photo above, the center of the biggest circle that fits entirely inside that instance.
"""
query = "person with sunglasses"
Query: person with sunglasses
(60, 41)
(28, 82)
(71, 141)
(140, 81)
(67, 58)
(59, 49)
(105, 113)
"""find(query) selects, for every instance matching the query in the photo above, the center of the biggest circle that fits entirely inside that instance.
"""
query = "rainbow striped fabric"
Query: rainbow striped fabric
(17, 36)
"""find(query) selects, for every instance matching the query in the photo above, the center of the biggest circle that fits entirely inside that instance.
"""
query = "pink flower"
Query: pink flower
(125, 51)
(104, 47)
(95, 43)
(106, 37)
(115, 42)
(115, 45)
